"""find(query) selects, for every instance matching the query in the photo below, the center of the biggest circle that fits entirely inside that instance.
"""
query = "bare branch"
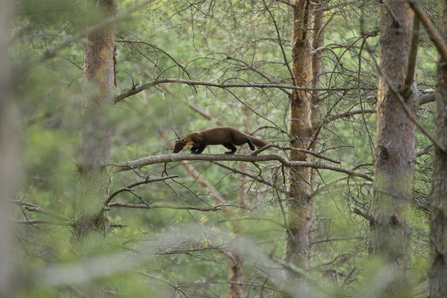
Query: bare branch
(336, 239)
(363, 214)
(254, 177)
(42, 221)
(431, 30)
(424, 151)
(35, 208)
(162, 206)
(411, 117)
(155, 82)
(126, 166)
(427, 98)
(295, 149)
(129, 187)
(411, 68)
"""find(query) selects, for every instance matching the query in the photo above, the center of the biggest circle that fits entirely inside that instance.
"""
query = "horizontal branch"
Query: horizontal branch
(42, 221)
(336, 239)
(155, 82)
(126, 166)
(144, 206)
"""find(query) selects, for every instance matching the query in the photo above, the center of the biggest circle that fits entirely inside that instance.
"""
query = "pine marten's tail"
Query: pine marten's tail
(258, 142)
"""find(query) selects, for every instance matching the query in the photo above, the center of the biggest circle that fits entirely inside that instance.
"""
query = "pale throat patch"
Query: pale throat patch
(188, 144)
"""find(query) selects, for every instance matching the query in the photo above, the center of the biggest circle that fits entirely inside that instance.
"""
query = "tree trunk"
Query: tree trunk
(94, 179)
(300, 205)
(394, 154)
(8, 158)
(438, 211)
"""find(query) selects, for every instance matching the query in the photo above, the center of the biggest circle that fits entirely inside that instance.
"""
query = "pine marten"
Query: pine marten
(226, 136)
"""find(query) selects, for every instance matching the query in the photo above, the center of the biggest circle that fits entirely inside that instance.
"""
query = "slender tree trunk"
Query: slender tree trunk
(236, 271)
(8, 149)
(394, 154)
(300, 205)
(438, 211)
(94, 179)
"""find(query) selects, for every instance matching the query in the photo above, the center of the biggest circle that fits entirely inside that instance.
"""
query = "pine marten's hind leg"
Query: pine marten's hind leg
(231, 147)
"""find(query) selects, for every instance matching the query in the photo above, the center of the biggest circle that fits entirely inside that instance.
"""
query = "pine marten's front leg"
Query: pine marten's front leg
(198, 149)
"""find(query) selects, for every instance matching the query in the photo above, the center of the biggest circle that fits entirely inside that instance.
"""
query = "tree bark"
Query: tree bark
(94, 178)
(300, 204)
(394, 153)
(438, 210)
(8, 154)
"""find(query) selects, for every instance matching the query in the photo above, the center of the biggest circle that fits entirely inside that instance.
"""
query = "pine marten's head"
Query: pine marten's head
(180, 144)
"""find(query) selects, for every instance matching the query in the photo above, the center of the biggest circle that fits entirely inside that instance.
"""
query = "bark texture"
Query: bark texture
(394, 154)
(8, 149)
(94, 179)
(438, 211)
(300, 206)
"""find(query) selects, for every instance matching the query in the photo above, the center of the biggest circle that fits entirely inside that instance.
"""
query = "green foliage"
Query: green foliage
(174, 250)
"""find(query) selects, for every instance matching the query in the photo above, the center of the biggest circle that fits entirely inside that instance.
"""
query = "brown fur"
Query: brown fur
(226, 136)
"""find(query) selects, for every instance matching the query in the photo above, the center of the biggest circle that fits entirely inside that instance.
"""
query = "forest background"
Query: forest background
(94, 203)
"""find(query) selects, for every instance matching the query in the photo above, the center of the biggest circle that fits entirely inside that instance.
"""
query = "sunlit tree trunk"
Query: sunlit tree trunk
(394, 154)
(94, 179)
(438, 211)
(300, 205)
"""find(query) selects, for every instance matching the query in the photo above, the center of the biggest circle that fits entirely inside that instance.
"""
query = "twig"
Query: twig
(424, 151)
(129, 187)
